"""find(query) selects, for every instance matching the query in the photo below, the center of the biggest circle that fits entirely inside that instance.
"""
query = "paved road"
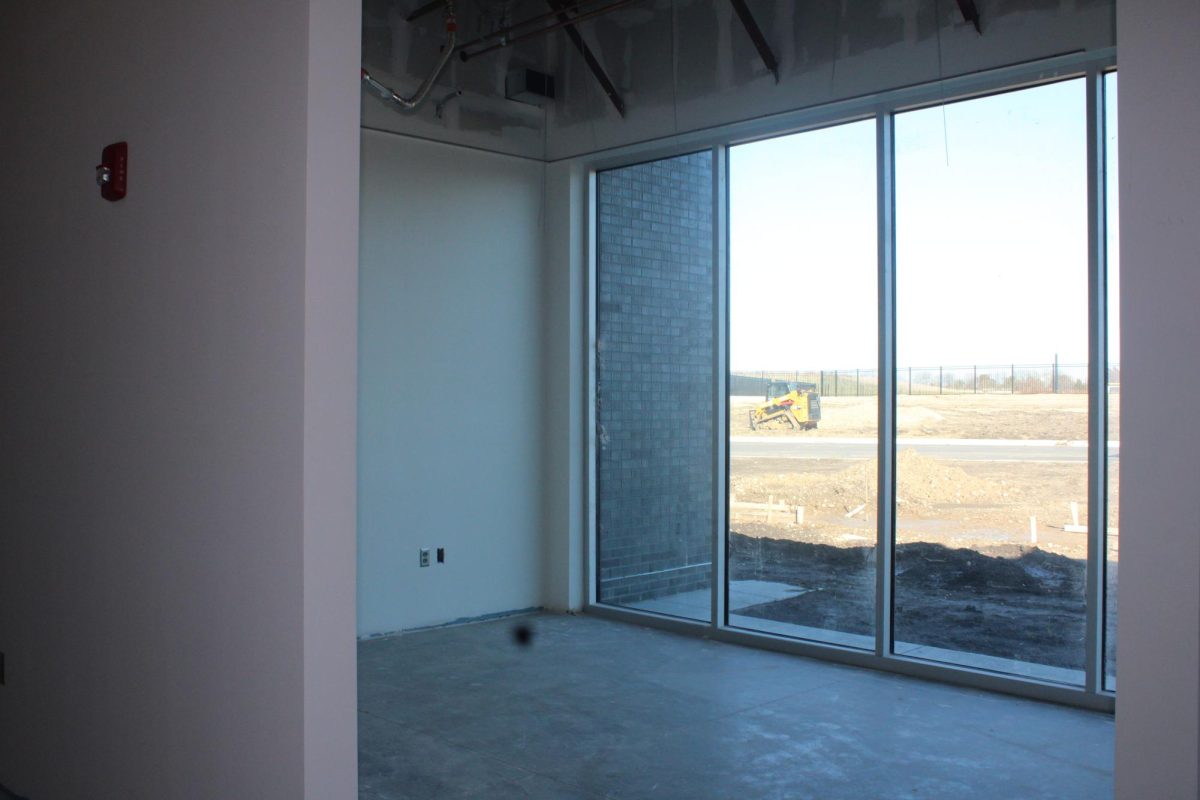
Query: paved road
(802, 447)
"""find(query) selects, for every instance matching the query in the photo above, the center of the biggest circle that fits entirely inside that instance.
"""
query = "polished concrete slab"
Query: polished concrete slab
(592, 708)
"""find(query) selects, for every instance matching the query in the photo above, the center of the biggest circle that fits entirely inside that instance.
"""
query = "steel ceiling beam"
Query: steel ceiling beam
(970, 14)
(509, 35)
(756, 35)
(589, 57)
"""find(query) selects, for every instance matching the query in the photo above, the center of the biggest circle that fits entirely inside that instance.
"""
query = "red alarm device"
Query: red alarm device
(113, 171)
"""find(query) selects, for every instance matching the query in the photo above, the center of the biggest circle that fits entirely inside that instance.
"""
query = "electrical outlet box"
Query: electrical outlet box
(424, 556)
(441, 555)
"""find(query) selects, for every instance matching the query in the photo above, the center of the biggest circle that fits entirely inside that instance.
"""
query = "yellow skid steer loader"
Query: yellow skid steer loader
(799, 408)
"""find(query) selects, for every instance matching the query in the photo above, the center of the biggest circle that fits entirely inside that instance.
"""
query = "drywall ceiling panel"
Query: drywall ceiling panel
(400, 54)
(684, 65)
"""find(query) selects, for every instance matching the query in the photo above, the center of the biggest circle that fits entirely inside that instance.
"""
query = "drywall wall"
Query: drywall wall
(159, 548)
(1158, 695)
(565, 346)
(684, 65)
(331, 401)
(449, 368)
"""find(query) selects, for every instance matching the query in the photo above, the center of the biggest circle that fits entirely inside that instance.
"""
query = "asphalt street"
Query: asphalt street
(801, 447)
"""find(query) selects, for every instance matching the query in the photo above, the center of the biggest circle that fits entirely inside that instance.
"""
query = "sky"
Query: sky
(991, 251)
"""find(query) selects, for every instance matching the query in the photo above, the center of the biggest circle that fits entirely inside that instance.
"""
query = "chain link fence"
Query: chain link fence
(1052, 378)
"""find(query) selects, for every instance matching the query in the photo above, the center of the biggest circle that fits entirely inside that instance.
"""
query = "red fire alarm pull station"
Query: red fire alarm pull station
(113, 171)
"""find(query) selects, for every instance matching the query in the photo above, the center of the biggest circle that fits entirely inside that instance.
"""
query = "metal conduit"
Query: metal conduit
(423, 90)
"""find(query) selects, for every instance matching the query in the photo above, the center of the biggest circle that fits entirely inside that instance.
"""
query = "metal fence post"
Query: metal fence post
(1012, 378)
(975, 379)
(939, 380)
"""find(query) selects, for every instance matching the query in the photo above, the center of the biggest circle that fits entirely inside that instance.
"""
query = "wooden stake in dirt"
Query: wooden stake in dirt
(1033, 530)
(1075, 527)
(855, 511)
(799, 515)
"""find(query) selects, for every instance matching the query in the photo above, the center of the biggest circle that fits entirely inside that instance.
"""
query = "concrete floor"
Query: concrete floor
(600, 709)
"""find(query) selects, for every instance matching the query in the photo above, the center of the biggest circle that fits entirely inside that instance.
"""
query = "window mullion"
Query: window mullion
(1097, 382)
(720, 450)
(885, 496)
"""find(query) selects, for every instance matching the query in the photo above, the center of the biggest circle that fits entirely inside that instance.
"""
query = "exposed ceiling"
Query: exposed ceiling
(630, 70)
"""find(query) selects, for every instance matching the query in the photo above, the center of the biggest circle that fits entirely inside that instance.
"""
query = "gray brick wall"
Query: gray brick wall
(654, 379)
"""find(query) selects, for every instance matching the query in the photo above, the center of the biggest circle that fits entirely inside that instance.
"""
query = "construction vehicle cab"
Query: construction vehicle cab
(794, 404)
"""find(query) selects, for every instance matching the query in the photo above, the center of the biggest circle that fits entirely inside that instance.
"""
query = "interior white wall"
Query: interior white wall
(161, 553)
(450, 399)
(565, 352)
(1158, 696)
(331, 400)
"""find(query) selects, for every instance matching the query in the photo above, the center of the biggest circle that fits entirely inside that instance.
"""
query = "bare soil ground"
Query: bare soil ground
(1058, 417)
(979, 504)
(968, 575)
(1028, 606)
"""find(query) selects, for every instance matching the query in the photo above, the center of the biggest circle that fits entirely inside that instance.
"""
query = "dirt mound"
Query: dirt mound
(924, 483)
(1027, 607)
(962, 570)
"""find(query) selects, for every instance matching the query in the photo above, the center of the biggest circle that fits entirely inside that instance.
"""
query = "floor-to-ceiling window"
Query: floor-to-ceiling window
(917, 442)
(992, 463)
(803, 342)
(653, 386)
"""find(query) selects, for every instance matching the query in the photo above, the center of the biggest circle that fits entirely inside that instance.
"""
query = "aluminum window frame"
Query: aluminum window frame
(882, 107)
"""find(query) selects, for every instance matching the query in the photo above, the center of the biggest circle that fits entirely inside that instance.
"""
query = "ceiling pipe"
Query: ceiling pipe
(423, 90)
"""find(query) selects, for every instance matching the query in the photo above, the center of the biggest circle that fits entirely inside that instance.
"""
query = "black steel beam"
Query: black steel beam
(589, 58)
(970, 14)
(756, 36)
(506, 34)
(428, 8)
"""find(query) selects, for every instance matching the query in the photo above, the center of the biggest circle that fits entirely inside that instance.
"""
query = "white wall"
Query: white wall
(1158, 696)
(450, 409)
(331, 401)
(564, 353)
(159, 546)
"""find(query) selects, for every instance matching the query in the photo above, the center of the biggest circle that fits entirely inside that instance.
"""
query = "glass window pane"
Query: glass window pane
(992, 310)
(654, 386)
(1114, 379)
(803, 403)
